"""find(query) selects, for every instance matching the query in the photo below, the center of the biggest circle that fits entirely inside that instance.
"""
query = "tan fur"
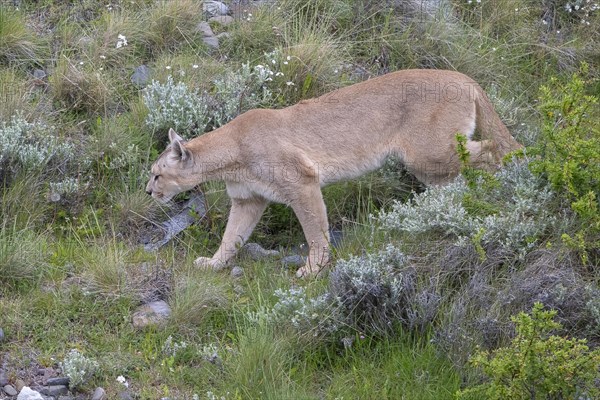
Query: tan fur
(287, 155)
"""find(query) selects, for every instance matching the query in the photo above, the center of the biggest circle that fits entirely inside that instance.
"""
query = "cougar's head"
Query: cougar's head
(171, 174)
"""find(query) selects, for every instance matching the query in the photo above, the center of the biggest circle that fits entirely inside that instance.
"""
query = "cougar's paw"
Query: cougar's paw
(209, 263)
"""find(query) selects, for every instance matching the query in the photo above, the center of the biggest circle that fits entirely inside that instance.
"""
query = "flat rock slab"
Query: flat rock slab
(257, 252)
(194, 209)
(154, 313)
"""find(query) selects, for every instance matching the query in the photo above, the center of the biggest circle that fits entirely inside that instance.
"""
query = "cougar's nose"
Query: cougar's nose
(149, 192)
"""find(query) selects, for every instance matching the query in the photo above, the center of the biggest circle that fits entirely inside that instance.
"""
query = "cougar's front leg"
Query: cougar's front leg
(243, 217)
(312, 214)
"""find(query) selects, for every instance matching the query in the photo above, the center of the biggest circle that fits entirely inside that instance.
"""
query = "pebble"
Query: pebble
(54, 390)
(154, 313)
(237, 272)
(211, 41)
(39, 74)
(99, 394)
(141, 76)
(1, 335)
(58, 381)
(10, 390)
(293, 261)
(205, 28)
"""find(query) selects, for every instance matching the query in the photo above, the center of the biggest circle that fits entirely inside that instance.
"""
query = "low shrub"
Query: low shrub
(537, 364)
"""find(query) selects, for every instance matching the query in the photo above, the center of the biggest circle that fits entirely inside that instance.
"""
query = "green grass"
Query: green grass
(72, 271)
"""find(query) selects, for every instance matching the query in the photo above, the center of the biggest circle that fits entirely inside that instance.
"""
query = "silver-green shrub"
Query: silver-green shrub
(239, 91)
(174, 105)
(522, 203)
(26, 146)
(78, 368)
(310, 315)
(372, 292)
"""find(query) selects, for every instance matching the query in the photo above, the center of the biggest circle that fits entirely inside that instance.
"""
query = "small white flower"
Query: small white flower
(121, 379)
(80, 62)
(195, 66)
(103, 57)
(285, 63)
(290, 83)
(273, 62)
(288, 58)
(168, 67)
(279, 74)
(121, 41)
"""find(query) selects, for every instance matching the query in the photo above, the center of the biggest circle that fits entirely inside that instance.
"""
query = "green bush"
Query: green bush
(537, 365)
(569, 153)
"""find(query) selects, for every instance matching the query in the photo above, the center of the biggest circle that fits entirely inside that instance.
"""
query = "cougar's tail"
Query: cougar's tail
(491, 127)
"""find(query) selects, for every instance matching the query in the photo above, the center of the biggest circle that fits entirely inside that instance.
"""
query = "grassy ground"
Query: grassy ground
(72, 269)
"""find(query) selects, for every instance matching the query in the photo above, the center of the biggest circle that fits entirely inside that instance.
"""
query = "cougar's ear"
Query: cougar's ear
(179, 151)
(173, 136)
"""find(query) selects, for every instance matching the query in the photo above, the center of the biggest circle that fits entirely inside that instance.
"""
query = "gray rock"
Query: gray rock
(222, 20)
(195, 206)
(141, 76)
(39, 74)
(211, 41)
(125, 396)
(54, 390)
(10, 390)
(1, 335)
(28, 394)
(237, 272)
(58, 381)
(294, 260)
(223, 35)
(215, 8)
(204, 28)
(155, 313)
(3, 379)
(99, 394)
(256, 252)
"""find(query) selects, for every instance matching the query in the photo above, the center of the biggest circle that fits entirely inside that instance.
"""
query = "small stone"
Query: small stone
(257, 252)
(58, 381)
(19, 384)
(293, 261)
(39, 74)
(205, 29)
(141, 76)
(155, 313)
(125, 396)
(99, 394)
(223, 19)
(28, 394)
(211, 41)
(237, 272)
(3, 379)
(10, 390)
(215, 8)
(1, 335)
(54, 390)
